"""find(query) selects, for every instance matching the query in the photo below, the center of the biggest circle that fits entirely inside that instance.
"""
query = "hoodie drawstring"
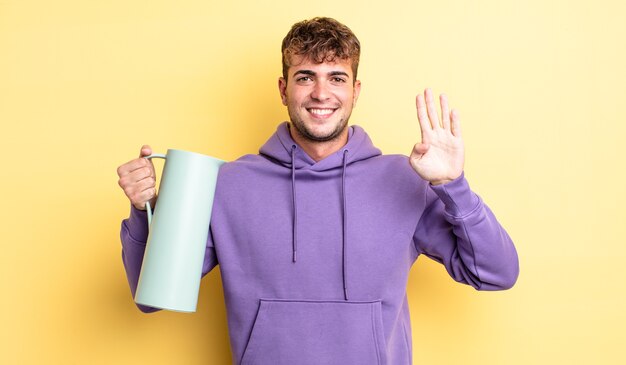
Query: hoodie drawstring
(344, 222)
(295, 211)
(344, 226)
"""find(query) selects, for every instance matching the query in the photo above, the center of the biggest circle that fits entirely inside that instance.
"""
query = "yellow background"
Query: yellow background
(540, 87)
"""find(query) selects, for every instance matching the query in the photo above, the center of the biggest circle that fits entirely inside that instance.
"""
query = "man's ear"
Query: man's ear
(357, 91)
(282, 88)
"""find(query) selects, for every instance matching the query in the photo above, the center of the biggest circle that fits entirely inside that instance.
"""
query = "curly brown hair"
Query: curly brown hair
(321, 39)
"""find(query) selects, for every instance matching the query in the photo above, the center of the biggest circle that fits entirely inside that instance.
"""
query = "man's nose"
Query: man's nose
(320, 91)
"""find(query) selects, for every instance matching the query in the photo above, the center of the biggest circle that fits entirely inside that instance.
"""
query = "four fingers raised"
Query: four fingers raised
(429, 118)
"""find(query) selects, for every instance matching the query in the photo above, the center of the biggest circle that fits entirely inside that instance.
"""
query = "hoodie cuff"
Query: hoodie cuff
(138, 224)
(457, 197)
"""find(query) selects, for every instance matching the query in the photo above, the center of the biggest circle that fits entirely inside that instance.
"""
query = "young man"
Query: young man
(315, 235)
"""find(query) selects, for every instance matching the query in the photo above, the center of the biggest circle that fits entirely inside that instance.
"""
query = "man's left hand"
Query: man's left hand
(440, 157)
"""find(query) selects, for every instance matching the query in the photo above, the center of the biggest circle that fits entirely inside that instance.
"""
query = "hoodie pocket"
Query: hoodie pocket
(288, 332)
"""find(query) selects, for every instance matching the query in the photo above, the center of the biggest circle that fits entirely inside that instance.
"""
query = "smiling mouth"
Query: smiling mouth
(321, 112)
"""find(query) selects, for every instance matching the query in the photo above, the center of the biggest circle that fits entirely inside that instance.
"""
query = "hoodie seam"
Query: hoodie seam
(339, 301)
(406, 342)
(374, 334)
(463, 216)
(419, 221)
(471, 245)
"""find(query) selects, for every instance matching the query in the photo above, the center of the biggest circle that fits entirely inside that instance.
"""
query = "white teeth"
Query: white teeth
(321, 111)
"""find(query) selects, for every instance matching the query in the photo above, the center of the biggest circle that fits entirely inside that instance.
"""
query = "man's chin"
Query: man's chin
(320, 135)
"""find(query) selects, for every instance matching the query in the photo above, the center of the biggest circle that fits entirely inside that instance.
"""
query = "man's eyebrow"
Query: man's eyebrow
(312, 73)
(304, 72)
(338, 73)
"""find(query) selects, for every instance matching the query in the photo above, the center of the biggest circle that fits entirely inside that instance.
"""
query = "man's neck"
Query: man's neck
(319, 150)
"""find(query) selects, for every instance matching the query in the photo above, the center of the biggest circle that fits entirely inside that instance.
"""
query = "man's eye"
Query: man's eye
(339, 79)
(303, 79)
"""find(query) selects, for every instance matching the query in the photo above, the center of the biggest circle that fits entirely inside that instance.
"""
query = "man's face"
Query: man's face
(319, 97)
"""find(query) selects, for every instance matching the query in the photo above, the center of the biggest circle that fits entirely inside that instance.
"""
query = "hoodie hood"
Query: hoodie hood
(284, 150)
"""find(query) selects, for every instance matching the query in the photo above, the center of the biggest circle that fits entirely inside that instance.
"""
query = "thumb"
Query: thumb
(146, 150)
(420, 149)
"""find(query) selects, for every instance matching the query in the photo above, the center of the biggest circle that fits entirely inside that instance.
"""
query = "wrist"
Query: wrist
(440, 182)
(142, 206)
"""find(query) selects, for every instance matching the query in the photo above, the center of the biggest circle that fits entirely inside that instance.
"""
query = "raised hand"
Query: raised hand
(440, 157)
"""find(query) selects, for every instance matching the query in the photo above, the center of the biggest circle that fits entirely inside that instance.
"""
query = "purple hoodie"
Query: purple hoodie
(315, 256)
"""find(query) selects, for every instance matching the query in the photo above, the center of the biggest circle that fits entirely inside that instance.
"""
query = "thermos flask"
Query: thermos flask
(172, 264)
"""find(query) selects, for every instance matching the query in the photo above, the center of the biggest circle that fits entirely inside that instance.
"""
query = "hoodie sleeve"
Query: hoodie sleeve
(458, 230)
(134, 235)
